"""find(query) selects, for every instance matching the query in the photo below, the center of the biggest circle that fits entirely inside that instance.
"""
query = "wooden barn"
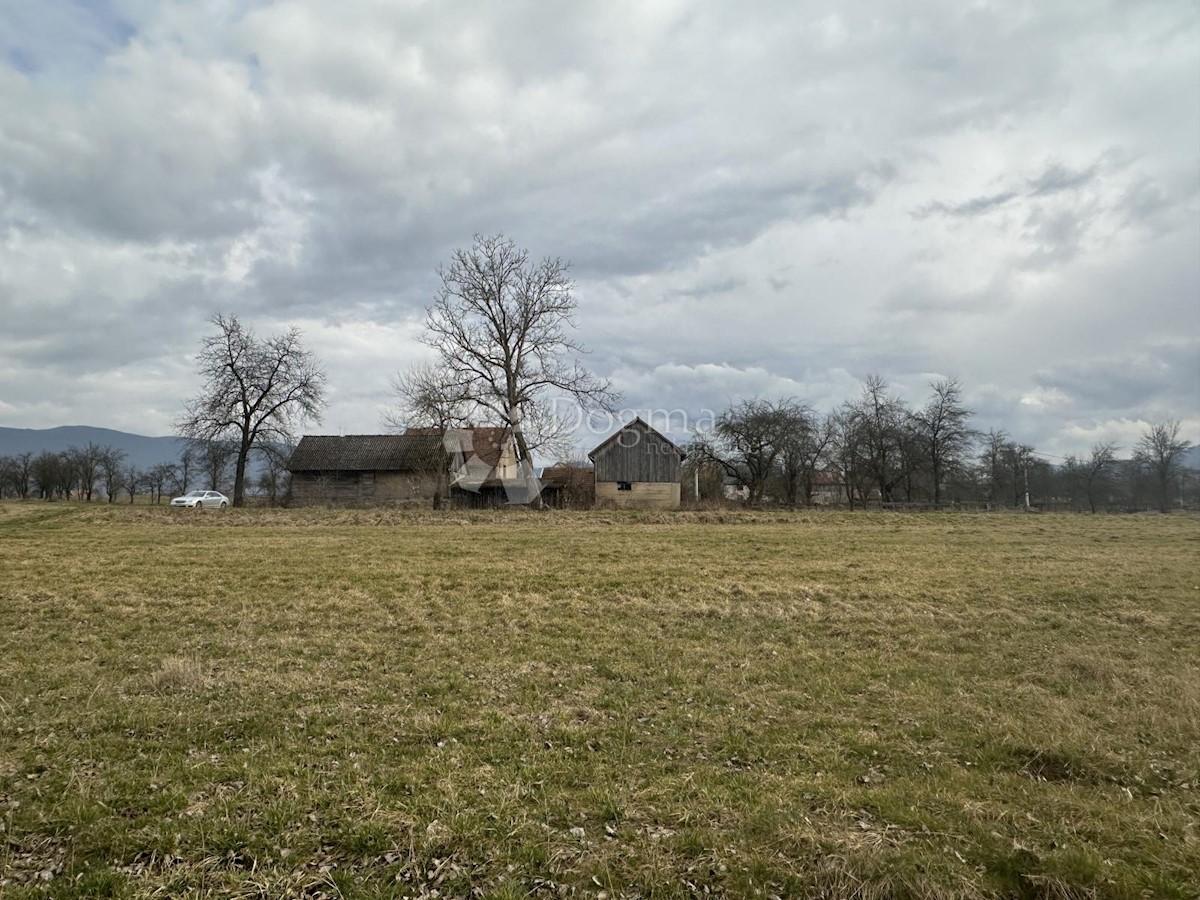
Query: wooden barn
(366, 469)
(472, 464)
(637, 467)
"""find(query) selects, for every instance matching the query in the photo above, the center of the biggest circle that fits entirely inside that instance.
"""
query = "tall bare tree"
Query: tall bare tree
(22, 473)
(991, 461)
(255, 391)
(501, 325)
(157, 478)
(804, 451)
(46, 472)
(131, 479)
(273, 478)
(943, 432)
(750, 437)
(429, 396)
(8, 478)
(111, 460)
(882, 420)
(1096, 468)
(850, 452)
(182, 472)
(214, 458)
(1160, 449)
(87, 461)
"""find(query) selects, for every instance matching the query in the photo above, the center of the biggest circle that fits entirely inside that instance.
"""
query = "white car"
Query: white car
(202, 500)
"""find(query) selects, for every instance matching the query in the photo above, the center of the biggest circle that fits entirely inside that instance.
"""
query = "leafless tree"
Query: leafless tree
(804, 452)
(22, 473)
(255, 391)
(943, 432)
(881, 421)
(273, 479)
(429, 396)
(214, 458)
(749, 438)
(111, 461)
(1095, 469)
(131, 479)
(991, 460)
(7, 476)
(46, 472)
(157, 478)
(183, 471)
(702, 478)
(86, 461)
(1160, 449)
(501, 325)
(850, 452)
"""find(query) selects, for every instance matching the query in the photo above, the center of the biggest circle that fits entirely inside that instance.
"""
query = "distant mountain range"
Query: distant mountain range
(140, 450)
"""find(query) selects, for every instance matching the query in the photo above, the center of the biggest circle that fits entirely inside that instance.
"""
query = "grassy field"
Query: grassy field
(271, 703)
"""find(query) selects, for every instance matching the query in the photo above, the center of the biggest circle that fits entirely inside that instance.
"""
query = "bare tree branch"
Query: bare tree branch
(255, 392)
(500, 324)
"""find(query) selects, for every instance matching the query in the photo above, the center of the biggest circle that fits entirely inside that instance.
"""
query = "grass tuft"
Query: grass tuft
(178, 674)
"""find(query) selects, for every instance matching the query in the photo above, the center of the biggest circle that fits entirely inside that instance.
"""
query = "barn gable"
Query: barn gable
(638, 466)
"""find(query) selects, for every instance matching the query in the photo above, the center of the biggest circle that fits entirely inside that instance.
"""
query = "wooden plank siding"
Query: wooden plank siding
(639, 454)
(360, 488)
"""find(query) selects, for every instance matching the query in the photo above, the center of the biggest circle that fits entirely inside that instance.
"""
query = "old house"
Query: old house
(366, 469)
(380, 469)
(637, 467)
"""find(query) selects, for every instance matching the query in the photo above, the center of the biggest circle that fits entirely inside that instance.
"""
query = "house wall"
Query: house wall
(638, 455)
(359, 488)
(391, 487)
(507, 466)
(642, 495)
(329, 488)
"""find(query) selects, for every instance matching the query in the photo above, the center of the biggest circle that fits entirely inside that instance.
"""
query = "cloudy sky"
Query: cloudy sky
(776, 198)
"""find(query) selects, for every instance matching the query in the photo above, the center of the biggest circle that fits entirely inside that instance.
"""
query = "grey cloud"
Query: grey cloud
(1057, 178)
(732, 188)
(1054, 179)
(1147, 384)
(973, 207)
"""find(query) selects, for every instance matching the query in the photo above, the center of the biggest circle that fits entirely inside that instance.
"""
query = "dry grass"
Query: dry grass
(380, 703)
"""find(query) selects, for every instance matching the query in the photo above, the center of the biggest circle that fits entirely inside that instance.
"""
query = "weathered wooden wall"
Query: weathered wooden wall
(359, 488)
(637, 455)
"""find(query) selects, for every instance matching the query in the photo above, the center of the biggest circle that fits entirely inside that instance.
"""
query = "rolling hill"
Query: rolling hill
(141, 451)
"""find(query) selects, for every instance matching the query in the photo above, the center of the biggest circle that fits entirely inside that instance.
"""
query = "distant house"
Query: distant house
(382, 469)
(828, 488)
(734, 489)
(484, 457)
(637, 467)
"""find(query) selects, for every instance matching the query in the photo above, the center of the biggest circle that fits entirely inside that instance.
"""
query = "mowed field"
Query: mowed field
(316, 703)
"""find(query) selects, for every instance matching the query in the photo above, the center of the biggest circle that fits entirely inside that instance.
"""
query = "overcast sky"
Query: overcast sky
(757, 199)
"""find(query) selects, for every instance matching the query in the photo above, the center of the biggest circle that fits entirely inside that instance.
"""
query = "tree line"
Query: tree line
(876, 449)
(104, 473)
(500, 329)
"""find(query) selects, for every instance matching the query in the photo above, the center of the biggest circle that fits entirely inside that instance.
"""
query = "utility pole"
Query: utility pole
(1026, 469)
